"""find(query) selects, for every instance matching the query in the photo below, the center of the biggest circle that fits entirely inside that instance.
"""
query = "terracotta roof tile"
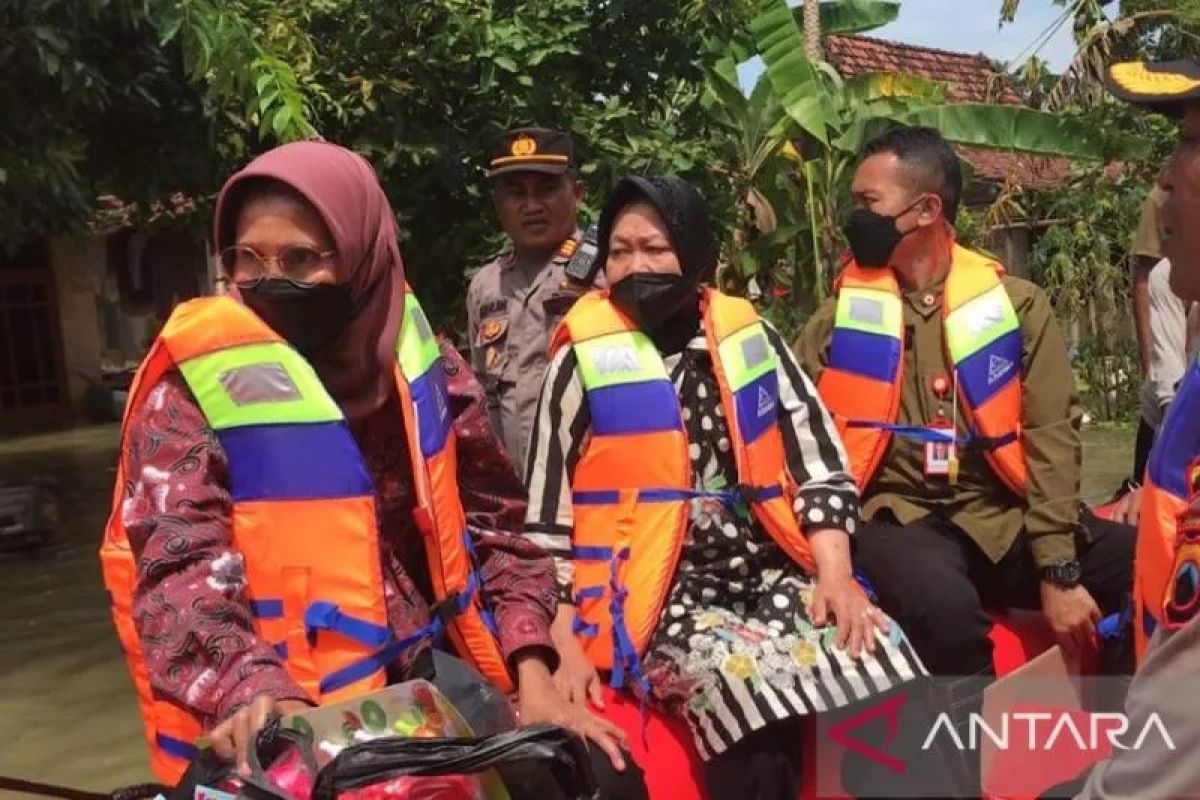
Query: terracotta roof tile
(1028, 172)
(969, 79)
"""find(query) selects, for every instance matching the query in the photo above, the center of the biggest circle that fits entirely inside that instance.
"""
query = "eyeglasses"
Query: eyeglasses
(298, 264)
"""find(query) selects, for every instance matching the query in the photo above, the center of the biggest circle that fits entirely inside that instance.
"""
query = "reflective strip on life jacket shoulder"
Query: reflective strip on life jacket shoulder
(418, 352)
(983, 343)
(868, 334)
(284, 436)
(749, 366)
(454, 572)
(862, 380)
(746, 369)
(983, 337)
(258, 384)
(623, 371)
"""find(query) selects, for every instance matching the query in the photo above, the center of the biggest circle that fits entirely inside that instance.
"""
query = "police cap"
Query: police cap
(1164, 86)
(531, 150)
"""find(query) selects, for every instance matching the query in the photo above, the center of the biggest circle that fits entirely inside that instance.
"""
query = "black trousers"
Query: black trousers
(935, 582)
(766, 765)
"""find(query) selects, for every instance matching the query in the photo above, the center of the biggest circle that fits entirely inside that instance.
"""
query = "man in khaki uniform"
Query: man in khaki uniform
(945, 537)
(516, 299)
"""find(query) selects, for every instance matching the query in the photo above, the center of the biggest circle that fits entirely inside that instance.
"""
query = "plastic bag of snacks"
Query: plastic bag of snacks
(399, 768)
(404, 742)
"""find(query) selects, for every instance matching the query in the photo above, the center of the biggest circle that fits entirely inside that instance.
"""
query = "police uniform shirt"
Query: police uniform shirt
(513, 306)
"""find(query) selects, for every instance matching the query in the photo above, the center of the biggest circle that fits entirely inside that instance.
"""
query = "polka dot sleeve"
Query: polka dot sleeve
(820, 507)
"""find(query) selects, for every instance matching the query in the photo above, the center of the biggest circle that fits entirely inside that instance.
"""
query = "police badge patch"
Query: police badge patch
(491, 329)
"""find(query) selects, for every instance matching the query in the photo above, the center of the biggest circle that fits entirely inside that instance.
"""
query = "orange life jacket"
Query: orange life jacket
(633, 483)
(982, 336)
(304, 514)
(1166, 571)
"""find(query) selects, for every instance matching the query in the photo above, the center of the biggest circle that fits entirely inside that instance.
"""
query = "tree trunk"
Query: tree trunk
(812, 30)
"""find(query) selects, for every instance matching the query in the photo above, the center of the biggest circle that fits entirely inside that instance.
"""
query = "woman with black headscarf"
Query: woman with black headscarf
(696, 497)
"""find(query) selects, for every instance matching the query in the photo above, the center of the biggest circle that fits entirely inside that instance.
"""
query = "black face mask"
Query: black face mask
(874, 237)
(665, 306)
(309, 318)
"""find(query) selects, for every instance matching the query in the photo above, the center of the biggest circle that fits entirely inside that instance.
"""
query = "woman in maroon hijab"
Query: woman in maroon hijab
(308, 243)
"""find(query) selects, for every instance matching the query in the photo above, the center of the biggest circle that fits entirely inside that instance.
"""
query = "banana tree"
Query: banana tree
(806, 123)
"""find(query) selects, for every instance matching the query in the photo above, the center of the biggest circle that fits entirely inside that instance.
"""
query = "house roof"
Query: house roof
(968, 79)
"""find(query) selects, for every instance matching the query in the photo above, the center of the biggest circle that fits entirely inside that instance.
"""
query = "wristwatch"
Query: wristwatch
(1065, 574)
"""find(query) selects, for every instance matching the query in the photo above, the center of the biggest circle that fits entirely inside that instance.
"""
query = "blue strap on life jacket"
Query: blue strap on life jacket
(322, 615)
(176, 748)
(443, 614)
(485, 609)
(738, 495)
(578, 626)
(379, 660)
(626, 662)
(931, 435)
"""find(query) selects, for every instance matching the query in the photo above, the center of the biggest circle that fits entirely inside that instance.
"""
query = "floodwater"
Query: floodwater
(67, 710)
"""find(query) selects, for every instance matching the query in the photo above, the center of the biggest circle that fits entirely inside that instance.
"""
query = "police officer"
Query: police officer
(517, 298)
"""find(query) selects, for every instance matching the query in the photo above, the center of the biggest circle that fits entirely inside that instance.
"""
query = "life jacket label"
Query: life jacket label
(259, 383)
(866, 310)
(755, 351)
(615, 359)
(986, 316)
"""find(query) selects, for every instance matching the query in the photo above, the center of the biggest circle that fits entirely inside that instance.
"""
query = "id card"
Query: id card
(939, 456)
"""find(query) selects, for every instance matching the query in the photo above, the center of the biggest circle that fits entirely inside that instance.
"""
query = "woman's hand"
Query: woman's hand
(839, 595)
(857, 617)
(539, 701)
(234, 737)
(576, 679)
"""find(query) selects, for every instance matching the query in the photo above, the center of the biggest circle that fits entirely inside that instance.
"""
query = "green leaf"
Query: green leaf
(279, 123)
(879, 85)
(525, 80)
(800, 90)
(747, 264)
(505, 63)
(168, 21)
(1019, 129)
(853, 16)
(723, 94)
(267, 99)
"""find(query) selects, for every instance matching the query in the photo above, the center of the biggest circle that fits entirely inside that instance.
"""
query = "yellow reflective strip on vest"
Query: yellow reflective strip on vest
(258, 384)
(623, 357)
(417, 347)
(746, 356)
(870, 311)
(979, 322)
